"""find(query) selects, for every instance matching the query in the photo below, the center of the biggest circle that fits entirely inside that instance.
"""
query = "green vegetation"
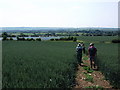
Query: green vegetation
(96, 39)
(52, 64)
(107, 57)
(65, 39)
(89, 78)
(88, 69)
(108, 62)
(38, 64)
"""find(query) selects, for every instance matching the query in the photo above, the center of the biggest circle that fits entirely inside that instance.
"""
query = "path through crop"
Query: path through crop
(89, 78)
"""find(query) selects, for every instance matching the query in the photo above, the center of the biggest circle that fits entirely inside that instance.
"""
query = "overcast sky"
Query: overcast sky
(59, 13)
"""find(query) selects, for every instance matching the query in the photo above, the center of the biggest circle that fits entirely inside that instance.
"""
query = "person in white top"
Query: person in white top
(79, 53)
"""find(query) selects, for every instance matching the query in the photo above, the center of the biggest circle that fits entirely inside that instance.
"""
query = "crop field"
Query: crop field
(38, 64)
(96, 39)
(107, 56)
(108, 61)
(47, 64)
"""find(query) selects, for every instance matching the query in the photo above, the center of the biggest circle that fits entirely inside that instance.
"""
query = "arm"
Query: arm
(95, 52)
(88, 52)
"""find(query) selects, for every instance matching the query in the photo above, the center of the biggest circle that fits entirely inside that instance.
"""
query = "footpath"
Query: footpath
(90, 78)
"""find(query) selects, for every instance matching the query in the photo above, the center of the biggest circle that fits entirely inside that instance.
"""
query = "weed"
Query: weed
(89, 78)
(88, 69)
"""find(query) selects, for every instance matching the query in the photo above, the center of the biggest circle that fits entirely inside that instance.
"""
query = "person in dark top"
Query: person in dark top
(92, 51)
(79, 53)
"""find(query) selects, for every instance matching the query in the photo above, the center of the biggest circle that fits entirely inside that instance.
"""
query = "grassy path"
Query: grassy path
(89, 78)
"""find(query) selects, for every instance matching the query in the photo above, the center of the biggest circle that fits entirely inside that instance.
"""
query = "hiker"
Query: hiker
(83, 47)
(92, 51)
(79, 53)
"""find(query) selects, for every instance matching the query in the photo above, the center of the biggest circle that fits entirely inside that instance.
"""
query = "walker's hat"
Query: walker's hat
(79, 44)
(91, 44)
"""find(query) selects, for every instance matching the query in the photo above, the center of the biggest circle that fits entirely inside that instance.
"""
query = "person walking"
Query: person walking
(92, 52)
(83, 47)
(79, 53)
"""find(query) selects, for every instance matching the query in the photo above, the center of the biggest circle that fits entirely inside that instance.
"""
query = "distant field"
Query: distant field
(28, 33)
(88, 39)
(52, 64)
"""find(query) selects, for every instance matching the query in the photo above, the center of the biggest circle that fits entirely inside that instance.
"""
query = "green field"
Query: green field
(108, 61)
(96, 39)
(38, 64)
(34, 64)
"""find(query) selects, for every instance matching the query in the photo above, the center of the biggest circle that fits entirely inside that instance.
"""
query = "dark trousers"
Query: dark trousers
(84, 50)
(79, 58)
(92, 59)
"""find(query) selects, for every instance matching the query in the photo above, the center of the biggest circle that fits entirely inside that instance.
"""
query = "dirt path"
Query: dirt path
(89, 78)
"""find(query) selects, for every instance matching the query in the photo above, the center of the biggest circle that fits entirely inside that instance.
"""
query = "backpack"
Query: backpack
(92, 51)
(79, 49)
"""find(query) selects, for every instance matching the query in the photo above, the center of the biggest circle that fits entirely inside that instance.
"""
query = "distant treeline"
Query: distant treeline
(28, 39)
(64, 33)
(5, 37)
(22, 39)
(65, 39)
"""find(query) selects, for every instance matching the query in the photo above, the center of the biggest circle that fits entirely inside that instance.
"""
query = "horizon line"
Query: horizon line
(51, 27)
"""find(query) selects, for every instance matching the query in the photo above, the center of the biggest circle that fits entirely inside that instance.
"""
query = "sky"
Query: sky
(59, 13)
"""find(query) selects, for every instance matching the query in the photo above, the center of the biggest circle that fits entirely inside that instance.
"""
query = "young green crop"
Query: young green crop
(107, 56)
(52, 64)
(38, 64)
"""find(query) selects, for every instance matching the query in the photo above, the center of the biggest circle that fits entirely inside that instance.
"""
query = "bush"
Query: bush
(74, 39)
(11, 38)
(68, 38)
(38, 39)
(30, 39)
(4, 38)
(51, 39)
(116, 41)
(56, 39)
(20, 39)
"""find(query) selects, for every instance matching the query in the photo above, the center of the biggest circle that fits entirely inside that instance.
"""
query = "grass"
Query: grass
(88, 69)
(89, 78)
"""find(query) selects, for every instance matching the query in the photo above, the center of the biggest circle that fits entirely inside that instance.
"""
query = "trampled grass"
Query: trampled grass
(38, 64)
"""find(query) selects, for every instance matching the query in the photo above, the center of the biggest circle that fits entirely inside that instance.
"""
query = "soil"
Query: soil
(98, 77)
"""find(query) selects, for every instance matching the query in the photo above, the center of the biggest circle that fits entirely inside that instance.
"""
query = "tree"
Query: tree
(4, 35)
(11, 38)
(74, 39)
(38, 39)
